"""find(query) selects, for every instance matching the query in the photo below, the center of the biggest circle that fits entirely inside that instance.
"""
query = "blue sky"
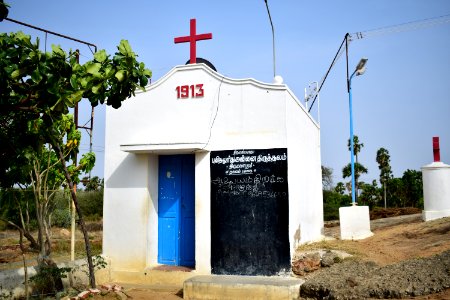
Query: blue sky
(400, 103)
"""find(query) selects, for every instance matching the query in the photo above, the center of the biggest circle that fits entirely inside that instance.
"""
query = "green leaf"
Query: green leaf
(125, 49)
(109, 71)
(59, 105)
(74, 98)
(11, 68)
(87, 161)
(100, 56)
(148, 73)
(36, 76)
(74, 82)
(85, 81)
(25, 38)
(96, 89)
(58, 51)
(16, 74)
(120, 75)
(143, 81)
(93, 68)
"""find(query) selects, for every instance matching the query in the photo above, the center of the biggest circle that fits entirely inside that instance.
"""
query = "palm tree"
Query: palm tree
(357, 146)
(383, 160)
(359, 169)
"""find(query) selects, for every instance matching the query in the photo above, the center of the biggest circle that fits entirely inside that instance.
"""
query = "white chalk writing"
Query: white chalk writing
(251, 185)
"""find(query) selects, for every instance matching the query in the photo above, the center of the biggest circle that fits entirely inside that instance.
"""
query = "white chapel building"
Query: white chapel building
(216, 174)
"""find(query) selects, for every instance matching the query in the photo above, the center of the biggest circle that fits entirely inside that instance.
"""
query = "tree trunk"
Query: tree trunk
(80, 216)
(33, 244)
(25, 270)
(384, 195)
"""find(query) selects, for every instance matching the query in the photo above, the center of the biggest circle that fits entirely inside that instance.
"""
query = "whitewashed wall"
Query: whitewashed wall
(233, 114)
(304, 173)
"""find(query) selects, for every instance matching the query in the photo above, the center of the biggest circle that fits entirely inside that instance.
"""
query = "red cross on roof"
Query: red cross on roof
(192, 39)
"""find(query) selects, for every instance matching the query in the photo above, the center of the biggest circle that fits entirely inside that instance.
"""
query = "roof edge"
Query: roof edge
(218, 76)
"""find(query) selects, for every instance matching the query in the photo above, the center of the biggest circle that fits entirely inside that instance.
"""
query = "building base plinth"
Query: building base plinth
(233, 287)
(428, 215)
(354, 222)
(148, 277)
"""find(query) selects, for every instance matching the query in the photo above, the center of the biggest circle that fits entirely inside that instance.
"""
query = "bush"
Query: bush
(331, 203)
(11, 200)
(91, 204)
(61, 218)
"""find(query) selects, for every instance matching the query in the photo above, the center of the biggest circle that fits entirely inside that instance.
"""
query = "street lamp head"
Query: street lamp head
(361, 67)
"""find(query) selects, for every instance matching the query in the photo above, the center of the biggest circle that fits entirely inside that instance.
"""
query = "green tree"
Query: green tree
(357, 146)
(327, 178)
(370, 193)
(37, 89)
(340, 188)
(92, 184)
(47, 176)
(383, 159)
(359, 169)
(413, 188)
(396, 192)
(332, 201)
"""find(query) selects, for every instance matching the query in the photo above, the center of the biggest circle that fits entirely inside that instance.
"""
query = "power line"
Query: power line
(315, 92)
(409, 26)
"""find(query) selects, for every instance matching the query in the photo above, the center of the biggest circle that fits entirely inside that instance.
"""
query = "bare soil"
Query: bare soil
(406, 257)
(396, 240)
(11, 255)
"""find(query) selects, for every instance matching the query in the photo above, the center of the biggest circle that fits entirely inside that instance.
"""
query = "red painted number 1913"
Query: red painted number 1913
(193, 91)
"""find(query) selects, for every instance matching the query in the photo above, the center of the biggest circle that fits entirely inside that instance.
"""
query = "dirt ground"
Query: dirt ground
(395, 239)
(11, 255)
(396, 242)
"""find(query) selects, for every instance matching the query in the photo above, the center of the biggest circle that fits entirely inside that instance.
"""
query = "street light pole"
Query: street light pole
(360, 69)
(273, 38)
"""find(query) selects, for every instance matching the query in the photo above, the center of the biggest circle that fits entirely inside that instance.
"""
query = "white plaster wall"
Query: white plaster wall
(233, 114)
(248, 116)
(202, 213)
(125, 210)
(158, 117)
(152, 218)
(304, 173)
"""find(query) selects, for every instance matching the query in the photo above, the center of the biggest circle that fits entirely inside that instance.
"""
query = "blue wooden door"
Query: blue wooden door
(176, 213)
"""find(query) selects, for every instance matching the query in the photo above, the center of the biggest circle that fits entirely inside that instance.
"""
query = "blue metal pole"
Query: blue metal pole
(352, 154)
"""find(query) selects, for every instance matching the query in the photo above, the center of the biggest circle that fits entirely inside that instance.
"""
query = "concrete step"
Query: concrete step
(162, 275)
(235, 287)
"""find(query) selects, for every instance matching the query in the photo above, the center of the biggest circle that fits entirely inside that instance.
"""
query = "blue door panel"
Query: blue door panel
(187, 249)
(167, 233)
(176, 210)
(187, 255)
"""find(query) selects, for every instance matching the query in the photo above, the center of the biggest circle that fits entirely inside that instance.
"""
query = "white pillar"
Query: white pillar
(436, 191)
(355, 222)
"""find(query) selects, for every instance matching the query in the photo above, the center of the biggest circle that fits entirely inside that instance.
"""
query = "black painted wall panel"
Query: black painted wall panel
(249, 212)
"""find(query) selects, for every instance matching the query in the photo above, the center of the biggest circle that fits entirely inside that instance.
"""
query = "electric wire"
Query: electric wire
(215, 114)
(322, 81)
(398, 28)
(408, 26)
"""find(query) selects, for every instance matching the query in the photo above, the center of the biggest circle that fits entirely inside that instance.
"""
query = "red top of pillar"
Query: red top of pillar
(436, 150)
